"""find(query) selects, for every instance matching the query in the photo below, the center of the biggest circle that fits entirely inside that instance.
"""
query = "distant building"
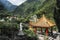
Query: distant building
(11, 5)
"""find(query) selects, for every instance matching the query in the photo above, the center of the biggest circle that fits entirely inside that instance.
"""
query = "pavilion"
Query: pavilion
(43, 22)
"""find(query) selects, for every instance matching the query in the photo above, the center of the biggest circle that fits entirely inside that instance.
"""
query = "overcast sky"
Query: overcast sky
(16, 2)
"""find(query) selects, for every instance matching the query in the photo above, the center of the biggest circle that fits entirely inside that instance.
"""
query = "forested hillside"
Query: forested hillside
(31, 7)
(36, 7)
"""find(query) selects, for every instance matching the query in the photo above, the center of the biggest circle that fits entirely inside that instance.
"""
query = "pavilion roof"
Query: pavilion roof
(42, 22)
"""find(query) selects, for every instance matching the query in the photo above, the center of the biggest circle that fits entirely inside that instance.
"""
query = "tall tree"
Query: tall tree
(57, 14)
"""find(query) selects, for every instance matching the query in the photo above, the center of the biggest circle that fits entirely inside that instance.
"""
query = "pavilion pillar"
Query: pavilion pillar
(46, 31)
(41, 30)
(51, 31)
(35, 30)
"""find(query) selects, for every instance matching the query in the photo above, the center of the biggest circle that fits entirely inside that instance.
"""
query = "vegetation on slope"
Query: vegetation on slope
(32, 7)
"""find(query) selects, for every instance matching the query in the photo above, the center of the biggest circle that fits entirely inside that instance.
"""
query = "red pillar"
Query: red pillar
(46, 31)
(41, 30)
(35, 30)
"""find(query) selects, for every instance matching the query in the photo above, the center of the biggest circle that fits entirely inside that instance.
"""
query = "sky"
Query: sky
(16, 2)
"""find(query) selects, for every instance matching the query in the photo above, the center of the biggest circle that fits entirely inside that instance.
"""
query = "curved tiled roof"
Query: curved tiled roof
(42, 22)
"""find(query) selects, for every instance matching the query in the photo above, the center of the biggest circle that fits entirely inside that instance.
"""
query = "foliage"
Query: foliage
(8, 25)
(31, 7)
(28, 9)
(29, 33)
(40, 8)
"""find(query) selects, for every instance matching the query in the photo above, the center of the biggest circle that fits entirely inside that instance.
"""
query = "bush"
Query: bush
(30, 35)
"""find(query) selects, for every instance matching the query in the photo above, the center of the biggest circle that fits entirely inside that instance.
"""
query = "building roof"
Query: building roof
(42, 22)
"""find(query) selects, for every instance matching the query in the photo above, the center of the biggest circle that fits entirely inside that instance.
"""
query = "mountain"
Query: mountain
(31, 7)
(11, 5)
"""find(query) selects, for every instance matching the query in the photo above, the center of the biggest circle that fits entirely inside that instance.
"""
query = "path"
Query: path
(42, 37)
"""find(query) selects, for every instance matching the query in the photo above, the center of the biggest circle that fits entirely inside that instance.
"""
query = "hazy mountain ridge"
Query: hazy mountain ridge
(11, 5)
(5, 3)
